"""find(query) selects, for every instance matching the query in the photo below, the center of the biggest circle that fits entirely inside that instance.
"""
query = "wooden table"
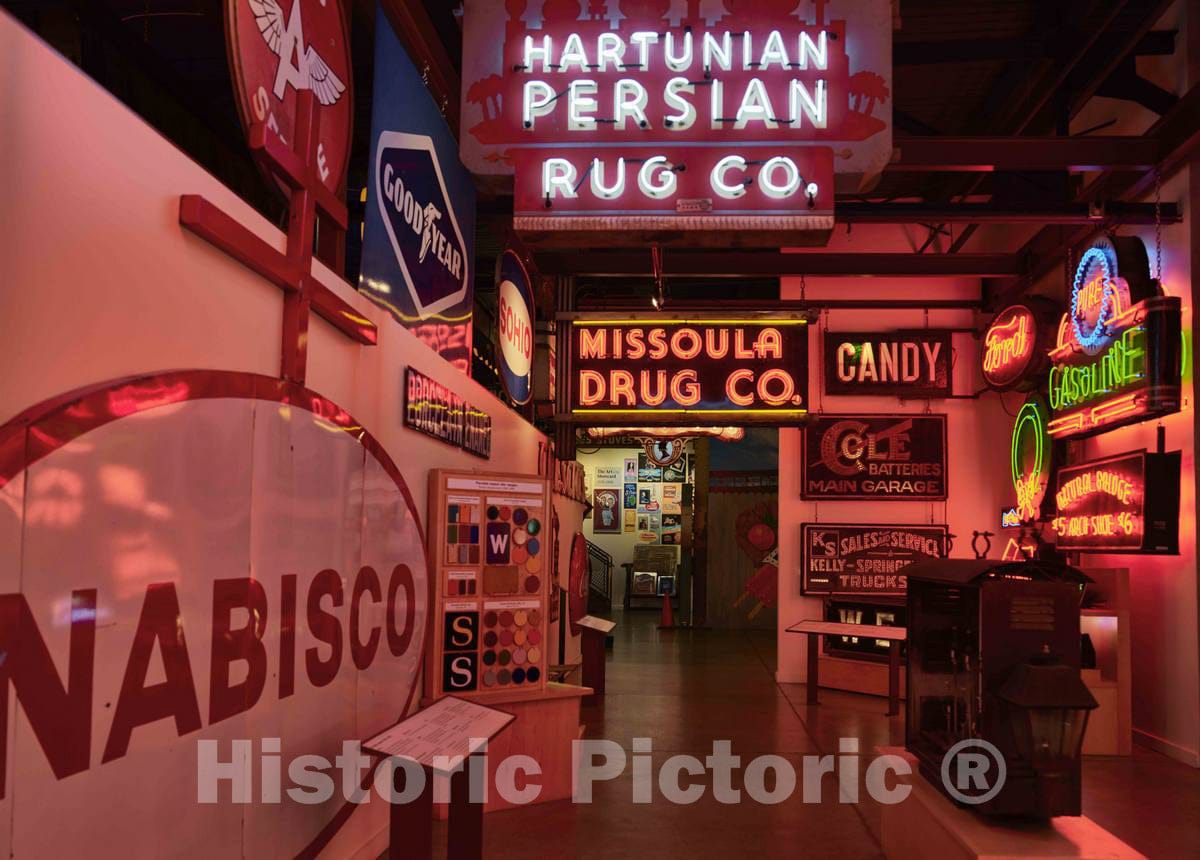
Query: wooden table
(894, 635)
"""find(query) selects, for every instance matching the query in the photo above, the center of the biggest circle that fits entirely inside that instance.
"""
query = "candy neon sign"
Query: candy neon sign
(664, 370)
(1117, 356)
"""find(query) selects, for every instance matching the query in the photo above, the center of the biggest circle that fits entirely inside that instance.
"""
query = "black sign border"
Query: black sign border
(804, 554)
(815, 419)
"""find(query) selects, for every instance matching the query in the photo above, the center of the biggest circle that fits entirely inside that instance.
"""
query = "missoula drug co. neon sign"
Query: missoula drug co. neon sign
(1030, 460)
(664, 370)
(1126, 503)
(633, 120)
(1117, 356)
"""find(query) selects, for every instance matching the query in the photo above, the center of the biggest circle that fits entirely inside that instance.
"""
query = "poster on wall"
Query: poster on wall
(631, 469)
(647, 471)
(419, 229)
(648, 537)
(672, 528)
(608, 476)
(648, 499)
(1126, 503)
(895, 364)
(840, 558)
(887, 458)
(630, 519)
(631, 496)
(676, 473)
(606, 510)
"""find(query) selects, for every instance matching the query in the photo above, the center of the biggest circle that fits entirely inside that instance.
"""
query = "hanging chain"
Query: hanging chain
(1158, 224)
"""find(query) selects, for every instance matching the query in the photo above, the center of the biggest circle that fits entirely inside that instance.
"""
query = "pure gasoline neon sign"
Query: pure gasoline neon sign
(1117, 357)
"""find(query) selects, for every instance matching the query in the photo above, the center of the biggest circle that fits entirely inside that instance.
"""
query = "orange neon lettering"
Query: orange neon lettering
(731, 388)
(621, 386)
(685, 390)
(658, 343)
(591, 387)
(694, 347)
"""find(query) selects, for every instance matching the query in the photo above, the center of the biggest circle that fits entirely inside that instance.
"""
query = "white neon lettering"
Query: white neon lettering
(558, 178)
(755, 106)
(766, 177)
(686, 115)
(819, 51)
(720, 53)
(532, 53)
(717, 178)
(666, 177)
(609, 192)
(801, 101)
(644, 39)
(537, 100)
(573, 54)
(624, 106)
(580, 101)
(679, 62)
(773, 51)
(610, 48)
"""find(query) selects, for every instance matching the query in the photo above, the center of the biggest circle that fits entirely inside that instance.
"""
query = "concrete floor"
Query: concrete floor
(685, 689)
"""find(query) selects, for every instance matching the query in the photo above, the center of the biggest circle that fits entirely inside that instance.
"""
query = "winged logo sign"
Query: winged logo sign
(278, 48)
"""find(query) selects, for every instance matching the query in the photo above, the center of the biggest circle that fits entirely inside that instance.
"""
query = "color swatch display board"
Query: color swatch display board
(490, 545)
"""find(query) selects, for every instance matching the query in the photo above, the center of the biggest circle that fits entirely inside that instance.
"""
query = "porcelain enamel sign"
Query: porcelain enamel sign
(169, 585)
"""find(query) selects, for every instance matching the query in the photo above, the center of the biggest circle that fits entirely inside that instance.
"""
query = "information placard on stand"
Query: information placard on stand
(441, 739)
(593, 631)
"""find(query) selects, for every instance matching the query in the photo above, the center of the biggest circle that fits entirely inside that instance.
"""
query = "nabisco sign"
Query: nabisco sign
(200, 555)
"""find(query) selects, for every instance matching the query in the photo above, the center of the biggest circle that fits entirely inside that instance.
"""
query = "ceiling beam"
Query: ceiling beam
(1009, 49)
(1179, 136)
(420, 38)
(988, 213)
(988, 154)
(729, 264)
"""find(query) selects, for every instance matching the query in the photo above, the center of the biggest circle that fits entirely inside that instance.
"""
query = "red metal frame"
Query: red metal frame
(290, 270)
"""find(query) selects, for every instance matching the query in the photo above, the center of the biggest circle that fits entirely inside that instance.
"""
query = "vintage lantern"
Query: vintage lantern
(993, 662)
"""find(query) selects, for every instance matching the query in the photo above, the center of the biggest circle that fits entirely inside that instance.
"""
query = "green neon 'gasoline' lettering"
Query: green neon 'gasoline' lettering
(1122, 363)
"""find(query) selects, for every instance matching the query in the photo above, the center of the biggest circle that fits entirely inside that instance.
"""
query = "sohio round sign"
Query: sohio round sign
(515, 323)
(197, 563)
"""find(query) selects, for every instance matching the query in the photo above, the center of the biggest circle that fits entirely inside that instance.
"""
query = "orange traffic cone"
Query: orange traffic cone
(668, 616)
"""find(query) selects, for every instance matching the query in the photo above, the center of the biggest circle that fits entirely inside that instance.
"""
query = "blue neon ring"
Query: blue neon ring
(1100, 331)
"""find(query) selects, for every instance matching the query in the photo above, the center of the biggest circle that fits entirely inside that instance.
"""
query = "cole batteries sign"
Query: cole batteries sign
(717, 116)
(864, 559)
(885, 457)
(664, 370)
(902, 364)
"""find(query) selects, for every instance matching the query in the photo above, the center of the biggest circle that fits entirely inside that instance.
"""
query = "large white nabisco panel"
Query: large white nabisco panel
(203, 557)
(190, 549)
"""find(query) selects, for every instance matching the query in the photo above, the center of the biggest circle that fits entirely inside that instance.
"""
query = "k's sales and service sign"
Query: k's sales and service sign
(419, 237)
(839, 558)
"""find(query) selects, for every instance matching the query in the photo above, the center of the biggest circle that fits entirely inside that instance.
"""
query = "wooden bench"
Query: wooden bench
(894, 635)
